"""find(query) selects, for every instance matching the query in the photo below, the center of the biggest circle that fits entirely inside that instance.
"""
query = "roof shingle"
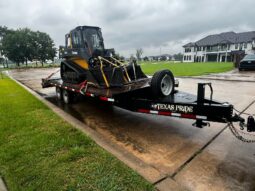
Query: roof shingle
(224, 38)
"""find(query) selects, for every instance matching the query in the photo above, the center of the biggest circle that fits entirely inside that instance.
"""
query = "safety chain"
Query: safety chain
(238, 136)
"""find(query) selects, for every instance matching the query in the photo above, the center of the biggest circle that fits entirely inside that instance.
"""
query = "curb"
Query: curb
(2, 185)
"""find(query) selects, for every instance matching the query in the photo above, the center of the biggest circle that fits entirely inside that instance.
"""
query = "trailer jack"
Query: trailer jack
(200, 123)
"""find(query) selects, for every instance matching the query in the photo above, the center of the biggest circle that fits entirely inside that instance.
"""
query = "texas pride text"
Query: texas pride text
(174, 108)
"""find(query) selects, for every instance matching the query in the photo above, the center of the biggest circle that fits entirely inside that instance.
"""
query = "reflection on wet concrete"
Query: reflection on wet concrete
(99, 116)
(159, 141)
(165, 143)
(227, 164)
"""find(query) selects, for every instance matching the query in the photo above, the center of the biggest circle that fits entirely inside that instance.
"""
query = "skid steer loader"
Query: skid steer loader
(85, 58)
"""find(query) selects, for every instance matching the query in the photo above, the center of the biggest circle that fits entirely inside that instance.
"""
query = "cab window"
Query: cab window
(76, 37)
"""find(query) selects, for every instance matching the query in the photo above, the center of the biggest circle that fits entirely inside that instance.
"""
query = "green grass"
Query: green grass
(40, 151)
(30, 65)
(187, 69)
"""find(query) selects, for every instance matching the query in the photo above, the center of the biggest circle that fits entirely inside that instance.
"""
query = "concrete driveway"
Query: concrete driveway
(185, 157)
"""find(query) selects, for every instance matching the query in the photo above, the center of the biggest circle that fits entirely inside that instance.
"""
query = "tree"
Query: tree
(119, 57)
(2, 61)
(132, 58)
(45, 49)
(178, 56)
(12, 47)
(146, 58)
(25, 45)
(116, 55)
(18, 46)
(139, 53)
(122, 58)
(28, 44)
(3, 32)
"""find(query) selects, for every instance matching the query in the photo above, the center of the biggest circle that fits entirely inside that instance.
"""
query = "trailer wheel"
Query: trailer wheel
(162, 83)
(59, 93)
(67, 96)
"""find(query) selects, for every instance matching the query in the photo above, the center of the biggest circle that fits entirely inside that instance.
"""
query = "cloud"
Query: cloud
(126, 25)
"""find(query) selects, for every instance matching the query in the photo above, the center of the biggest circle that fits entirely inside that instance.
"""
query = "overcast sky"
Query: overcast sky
(156, 26)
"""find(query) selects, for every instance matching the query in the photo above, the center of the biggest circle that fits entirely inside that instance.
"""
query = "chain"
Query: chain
(243, 112)
(237, 135)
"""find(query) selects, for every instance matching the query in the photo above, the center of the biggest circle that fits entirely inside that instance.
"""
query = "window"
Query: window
(76, 36)
(184, 58)
(93, 39)
(245, 45)
(68, 41)
(187, 49)
(240, 46)
(236, 46)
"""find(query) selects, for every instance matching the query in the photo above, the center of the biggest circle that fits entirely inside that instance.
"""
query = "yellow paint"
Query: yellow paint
(81, 62)
(102, 71)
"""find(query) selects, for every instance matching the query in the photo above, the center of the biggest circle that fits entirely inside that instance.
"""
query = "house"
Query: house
(163, 57)
(223, 47)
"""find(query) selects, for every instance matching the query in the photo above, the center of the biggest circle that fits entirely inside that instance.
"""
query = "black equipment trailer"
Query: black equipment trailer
(137, 97)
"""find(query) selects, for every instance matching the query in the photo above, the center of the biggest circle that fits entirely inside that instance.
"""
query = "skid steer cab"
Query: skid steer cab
(85, 59)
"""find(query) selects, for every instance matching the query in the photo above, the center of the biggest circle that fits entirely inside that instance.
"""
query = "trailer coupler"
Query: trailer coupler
(236, 118)
(250, 122)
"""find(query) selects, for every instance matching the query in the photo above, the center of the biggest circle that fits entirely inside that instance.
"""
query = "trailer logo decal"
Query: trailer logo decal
(173, 108)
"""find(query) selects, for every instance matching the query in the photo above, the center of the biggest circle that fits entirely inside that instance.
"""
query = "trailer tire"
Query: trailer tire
(162, 83)
(59, 93)
(67, 96)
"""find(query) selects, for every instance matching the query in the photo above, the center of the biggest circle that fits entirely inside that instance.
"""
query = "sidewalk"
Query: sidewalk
(233, 75)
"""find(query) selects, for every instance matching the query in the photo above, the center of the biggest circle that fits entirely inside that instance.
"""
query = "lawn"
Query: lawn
(40, 151)
(187, 69)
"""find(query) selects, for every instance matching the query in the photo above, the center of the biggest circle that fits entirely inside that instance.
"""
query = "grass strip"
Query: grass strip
(40, 151)
(187, 69)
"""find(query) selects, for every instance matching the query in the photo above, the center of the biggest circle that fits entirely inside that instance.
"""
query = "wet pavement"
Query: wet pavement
(197, 159)
(233, 75)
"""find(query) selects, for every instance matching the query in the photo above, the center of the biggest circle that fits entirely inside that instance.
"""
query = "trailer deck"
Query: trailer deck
(136, 97)
(91, 90)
